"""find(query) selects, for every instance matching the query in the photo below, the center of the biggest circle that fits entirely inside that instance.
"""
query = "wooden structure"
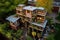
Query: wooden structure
(31, 2)
(40, 15)
(56, 5)
(29, 11)
(19, 9)
(32, 17)
(14, 21)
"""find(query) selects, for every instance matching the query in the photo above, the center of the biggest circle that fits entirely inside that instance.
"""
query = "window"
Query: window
(28, 14)
(28, 11)
(18, 11)
(41, 28)
(39, 11)
(40, 17)
(12, 23)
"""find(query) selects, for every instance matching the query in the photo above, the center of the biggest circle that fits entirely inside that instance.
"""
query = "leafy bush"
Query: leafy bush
(57, 34)
(19, 33)
(29, 38)
(9, 33)
(7, 7)
(58, 17)
(50, 37)
(50, 20)
(3, 27)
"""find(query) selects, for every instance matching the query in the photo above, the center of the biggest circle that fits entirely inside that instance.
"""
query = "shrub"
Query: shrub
(58, 17)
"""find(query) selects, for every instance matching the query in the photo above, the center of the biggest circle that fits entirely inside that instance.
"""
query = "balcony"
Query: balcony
(38, 19)
(43, 25)
(20, 7)
(41, 13)
(37, 26)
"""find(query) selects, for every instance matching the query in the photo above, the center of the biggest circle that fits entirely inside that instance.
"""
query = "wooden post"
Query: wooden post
(31, 16)
(26, 11)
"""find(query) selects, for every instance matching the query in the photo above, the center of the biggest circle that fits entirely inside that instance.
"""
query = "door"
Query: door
(55, 9)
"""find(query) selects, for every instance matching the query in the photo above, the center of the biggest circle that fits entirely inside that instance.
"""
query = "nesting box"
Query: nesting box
(14, 21)
(19, 9)
(29, 11)
(41, 13)
(37, 26)
(40, 19)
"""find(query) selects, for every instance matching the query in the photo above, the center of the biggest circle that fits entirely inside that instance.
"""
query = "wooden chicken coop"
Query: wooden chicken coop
(38, 19)
(38, 27)
(14, 21)
(19, 9)
(40, 15)
(29, 11)
(29, 17)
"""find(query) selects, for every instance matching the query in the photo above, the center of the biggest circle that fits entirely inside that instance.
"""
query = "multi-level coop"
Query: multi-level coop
(35, 16)
(29, 12)
(14, 21)
(39, 20)
(31, 16)
(19, 9)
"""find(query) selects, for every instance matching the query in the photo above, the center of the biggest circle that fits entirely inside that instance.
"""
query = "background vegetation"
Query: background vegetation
(47, 4)
(7, 7)
(58, 17)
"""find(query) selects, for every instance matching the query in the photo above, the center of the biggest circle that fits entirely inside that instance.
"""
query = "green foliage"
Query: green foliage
(29, 38)
(57, 34)
(4, 31)
(7, 6)
(50, 20)
(3, 27)
(19, 33)
(38, 21)
(58, 17)
(47, 4)
(51, 37)
(9, 33)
